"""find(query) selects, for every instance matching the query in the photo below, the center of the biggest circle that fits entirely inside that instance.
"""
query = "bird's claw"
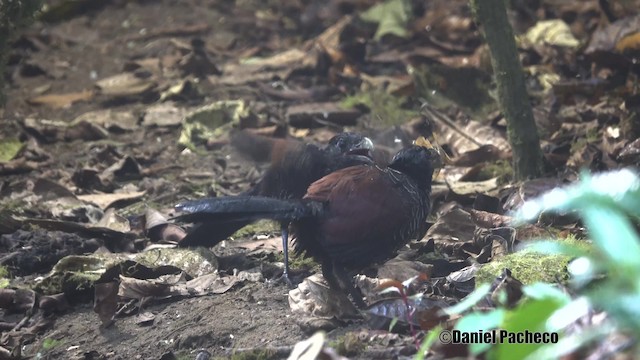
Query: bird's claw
(283, 279)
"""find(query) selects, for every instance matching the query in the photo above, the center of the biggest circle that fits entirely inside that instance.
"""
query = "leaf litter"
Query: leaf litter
(109, 125)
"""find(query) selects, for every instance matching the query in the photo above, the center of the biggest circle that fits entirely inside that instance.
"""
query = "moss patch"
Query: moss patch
(260, 227)
(591, 137)
(348, 345)
(501, 169)
(49, 344)
(297, 261)
(531, 267)
(257, 354)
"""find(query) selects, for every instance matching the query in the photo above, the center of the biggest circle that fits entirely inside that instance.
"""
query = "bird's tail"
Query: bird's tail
(217, 215)
(257, 147)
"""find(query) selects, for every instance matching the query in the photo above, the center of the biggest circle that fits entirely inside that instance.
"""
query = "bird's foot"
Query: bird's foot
(283, 279)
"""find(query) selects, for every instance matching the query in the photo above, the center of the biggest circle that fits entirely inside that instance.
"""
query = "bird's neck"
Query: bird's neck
(421, 178)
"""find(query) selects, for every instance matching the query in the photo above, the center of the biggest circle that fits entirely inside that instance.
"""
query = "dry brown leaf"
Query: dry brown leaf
(109, 119)
(132, 288)
(489, 220)
(471, 188)
(113, 221)
(105, 301)
(314, 297)
(104, 201)
(273, 244)
(452, 230)
(165, 114)
(58, 101)
(125, 84)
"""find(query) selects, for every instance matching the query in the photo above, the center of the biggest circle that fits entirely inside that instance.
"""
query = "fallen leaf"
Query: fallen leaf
(551, 32)
(58, 101)
(126, 84)
(9, 148)
(105, 201)
(105, 301)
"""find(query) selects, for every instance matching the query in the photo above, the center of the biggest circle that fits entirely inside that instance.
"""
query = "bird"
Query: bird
(294, 166)
(348, 219)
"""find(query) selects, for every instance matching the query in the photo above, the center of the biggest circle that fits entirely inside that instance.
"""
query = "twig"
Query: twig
(431, 112)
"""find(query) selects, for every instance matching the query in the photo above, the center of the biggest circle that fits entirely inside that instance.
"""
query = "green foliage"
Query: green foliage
(9, 148)
(257, 354)
(501, 169)
(605, 276)
(348, 345)
(530, 266)
(428, 341)
(297, 260)
(542, 301)
(607, 203)
(17, 13)
(392, 17)
(591, 137)
(49, 344)
(4, 274)
(259, 227)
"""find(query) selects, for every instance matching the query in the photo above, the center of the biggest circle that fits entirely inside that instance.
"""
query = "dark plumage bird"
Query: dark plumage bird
(294, 166)
(346, 220)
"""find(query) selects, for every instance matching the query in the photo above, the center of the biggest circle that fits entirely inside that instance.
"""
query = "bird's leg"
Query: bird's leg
(338, 279)
(346, 281)
(285, 250)
(329, 275)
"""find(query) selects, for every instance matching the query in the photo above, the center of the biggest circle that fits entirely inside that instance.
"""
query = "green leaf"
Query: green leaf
(476, 322)
(540, 291)
(568, 314)
(608, 223)
(557, 247)
(392, 17)
(481, 321)
(393, 323)
(570, 344)
(428, 342)
(530, 315)
(611, 189)
(469, 301)
(9, 148)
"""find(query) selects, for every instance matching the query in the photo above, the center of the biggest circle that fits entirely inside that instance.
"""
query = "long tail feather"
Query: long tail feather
(218, 218)
(240, 208)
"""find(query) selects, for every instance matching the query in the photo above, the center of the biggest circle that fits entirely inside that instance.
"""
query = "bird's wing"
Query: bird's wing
(366, 212)
(262, 148)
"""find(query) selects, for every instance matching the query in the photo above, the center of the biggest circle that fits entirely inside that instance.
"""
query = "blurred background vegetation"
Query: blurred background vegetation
(14, 14)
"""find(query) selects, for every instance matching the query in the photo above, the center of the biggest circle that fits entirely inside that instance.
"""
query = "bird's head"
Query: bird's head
(348, 143)
(417, 161)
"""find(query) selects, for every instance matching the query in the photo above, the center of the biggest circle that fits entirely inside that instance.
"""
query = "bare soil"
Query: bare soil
(99, 42)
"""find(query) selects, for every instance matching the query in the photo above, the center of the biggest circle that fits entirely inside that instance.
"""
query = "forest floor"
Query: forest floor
(97, 99)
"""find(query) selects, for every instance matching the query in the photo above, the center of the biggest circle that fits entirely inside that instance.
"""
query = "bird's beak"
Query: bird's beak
(364, 147)
(422, 141)
(440, 157)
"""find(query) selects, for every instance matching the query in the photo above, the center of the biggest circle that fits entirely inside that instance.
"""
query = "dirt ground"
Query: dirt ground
(250, 317)
(101, 94)
(98, 42)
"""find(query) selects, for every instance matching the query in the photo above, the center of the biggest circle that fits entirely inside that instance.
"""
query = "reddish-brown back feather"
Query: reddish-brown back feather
(366, 198)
